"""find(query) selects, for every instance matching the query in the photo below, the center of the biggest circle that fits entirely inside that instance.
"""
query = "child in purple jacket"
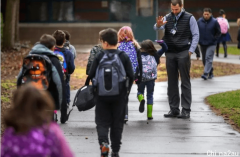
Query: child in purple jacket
(30, 131)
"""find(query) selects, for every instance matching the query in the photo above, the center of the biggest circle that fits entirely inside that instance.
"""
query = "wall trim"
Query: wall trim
(232, 24)
(74, 24)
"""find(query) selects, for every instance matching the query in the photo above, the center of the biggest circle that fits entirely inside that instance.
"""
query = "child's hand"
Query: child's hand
(159, 41)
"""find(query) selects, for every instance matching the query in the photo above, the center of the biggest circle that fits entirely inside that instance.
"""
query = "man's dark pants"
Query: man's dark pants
(179, 63)
(110, 114)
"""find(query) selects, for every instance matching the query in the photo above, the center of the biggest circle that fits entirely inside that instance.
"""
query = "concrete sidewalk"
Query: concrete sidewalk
(204, 134)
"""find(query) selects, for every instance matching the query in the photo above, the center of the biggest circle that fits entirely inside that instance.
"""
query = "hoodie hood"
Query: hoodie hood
(41, 50)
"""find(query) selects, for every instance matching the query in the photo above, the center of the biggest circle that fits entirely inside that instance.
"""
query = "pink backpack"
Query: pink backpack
(223, 25)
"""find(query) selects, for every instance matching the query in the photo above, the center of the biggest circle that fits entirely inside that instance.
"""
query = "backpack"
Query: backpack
(109, 74)
(37, 70)
(95, 50)
(149, 68)
(130, 50)
(223, 25)
(68, 46)
(62, 59)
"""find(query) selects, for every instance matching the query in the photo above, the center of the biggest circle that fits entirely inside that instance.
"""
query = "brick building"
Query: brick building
(85, 18)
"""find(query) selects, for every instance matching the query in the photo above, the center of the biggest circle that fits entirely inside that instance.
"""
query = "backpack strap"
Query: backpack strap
(87, 81)
(117, 52)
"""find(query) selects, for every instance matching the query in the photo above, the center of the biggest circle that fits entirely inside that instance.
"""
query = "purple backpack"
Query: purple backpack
(130, 50)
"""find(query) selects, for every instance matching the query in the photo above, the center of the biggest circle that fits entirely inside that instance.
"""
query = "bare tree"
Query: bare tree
(9, 30)
(17, 21)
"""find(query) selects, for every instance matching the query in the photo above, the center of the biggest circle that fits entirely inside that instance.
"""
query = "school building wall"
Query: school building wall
(85, 18)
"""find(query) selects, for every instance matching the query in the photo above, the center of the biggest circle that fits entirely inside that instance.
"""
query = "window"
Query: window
(144, 8)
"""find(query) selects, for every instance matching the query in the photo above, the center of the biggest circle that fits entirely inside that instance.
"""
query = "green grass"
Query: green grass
(231, 50)
(228, 104)
(6, 89)
(8, 85)
(4, 99)
(79, 72)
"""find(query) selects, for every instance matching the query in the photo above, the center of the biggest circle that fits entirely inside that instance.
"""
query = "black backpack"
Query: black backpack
(110, 74)
(84, 99)
(36, 69)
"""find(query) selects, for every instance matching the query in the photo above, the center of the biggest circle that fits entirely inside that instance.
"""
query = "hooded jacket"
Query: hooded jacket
(56, 84)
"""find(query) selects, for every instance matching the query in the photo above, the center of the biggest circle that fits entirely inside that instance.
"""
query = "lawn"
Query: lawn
(228, 104)
(231, 50)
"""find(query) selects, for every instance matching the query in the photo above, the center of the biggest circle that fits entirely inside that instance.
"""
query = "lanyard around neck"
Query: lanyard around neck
(175, 22)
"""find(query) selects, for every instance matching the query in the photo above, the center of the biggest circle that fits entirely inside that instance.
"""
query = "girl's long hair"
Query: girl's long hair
(126, 34)
(30, 108)
(147, 46)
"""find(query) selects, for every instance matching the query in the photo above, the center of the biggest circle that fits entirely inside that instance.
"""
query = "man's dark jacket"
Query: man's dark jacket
(209, 31)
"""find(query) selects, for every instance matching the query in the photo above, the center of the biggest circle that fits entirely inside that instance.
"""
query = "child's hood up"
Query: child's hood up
(41, 49)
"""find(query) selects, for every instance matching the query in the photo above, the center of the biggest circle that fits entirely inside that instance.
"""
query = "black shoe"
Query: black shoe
(171, 114)
(184, 115)
(114, 154)
(210, 76)
(204, 77)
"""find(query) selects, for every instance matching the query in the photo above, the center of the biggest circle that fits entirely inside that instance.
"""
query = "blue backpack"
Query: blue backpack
(62, 59)
(130, 50)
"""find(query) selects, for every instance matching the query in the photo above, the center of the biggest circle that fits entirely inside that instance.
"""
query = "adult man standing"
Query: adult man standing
(181, 35)
(210, 31)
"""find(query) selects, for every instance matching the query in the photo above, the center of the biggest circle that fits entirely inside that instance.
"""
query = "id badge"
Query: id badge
(173, 31)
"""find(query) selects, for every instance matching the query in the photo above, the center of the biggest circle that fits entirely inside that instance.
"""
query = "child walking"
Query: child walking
(150, 59)
(67, 61)
(130, 46)
(68, 45)
(45, 47)
(29, 127)
(109, 71)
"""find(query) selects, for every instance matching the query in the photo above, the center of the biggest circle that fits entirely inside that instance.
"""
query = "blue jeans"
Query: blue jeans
(67, 88)
(150, 89)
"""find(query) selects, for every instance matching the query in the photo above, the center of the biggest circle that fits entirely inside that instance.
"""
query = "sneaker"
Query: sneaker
(126, 119)
(142, 103)
(114, 154)
(104, 149)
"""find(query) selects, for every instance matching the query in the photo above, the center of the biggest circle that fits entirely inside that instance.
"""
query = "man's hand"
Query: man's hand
(159, 21)
(190, 53)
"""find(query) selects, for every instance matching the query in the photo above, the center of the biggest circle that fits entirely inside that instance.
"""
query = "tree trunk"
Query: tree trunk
(17, 21)
(9, 24)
